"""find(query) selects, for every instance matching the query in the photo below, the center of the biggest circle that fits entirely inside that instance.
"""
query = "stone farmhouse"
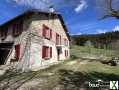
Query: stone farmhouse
(34, 40)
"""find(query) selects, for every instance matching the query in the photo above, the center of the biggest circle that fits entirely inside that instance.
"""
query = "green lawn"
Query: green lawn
(68, 75)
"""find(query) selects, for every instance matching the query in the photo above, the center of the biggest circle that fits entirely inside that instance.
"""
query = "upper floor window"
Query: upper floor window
(47, 32)
(3, 32)
(65, 42)
(17, 28)
(58, 39)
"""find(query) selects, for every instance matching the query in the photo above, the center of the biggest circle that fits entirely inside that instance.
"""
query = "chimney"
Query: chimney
(51, 9)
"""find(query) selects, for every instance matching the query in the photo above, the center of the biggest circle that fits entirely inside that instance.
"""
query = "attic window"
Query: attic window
(3, 33)
(17, 28)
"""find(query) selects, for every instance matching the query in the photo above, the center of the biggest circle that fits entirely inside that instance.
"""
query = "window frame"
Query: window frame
(46, 52)
(47, 32)
(17, 28)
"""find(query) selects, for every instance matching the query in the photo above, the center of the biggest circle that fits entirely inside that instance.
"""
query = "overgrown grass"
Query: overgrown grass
(67, 75)
(83, 51)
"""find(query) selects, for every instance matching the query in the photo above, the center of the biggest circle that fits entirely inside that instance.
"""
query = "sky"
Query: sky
(80, 16)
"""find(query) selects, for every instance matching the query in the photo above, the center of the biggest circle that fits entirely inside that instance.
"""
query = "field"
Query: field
(81, 51)
(73, 74)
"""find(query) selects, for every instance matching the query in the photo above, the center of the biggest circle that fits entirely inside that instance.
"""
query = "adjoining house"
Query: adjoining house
(34, 40)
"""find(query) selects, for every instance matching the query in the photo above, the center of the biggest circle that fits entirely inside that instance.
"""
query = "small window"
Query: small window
(17, 28)
(46, 52)
(3, 33)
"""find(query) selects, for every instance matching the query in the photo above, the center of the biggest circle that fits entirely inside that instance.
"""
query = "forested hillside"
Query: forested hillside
(105, 40)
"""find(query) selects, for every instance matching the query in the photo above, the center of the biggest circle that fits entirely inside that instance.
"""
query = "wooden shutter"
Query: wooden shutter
(50, 52)
(44, 31)
(50, 34)
(17, 51)
(57, 39)
(60, 39)
(43, 52)
(65, 53)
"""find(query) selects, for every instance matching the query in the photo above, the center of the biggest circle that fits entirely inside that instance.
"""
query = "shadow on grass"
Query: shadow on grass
(74, 80)
(13, 80)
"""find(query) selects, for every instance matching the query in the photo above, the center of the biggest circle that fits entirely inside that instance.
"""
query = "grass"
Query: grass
(68, 75)
(81, 51)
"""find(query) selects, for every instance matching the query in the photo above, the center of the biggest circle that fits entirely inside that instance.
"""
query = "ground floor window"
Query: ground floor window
(46, 52)
(66, 53)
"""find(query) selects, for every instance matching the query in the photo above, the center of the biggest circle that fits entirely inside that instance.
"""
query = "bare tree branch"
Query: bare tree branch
(108, 8)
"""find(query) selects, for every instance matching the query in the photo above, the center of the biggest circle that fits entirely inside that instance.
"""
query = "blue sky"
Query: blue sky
(81, 17)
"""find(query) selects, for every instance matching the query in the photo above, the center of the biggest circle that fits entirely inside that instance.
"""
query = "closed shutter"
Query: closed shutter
(50, 34)
(60, 40)
(65, 53)
(44, 32)
(17, 51)
(50, 52)
(43, 52)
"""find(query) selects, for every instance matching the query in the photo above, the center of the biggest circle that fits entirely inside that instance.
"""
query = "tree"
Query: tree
(109, 8)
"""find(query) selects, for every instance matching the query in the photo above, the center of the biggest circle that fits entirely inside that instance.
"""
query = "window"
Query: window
(66, 42)
(46, 52)
(17, 51)
(47, 32)
(58, 39)
(17, 28)
(4, 32)
(66, 53)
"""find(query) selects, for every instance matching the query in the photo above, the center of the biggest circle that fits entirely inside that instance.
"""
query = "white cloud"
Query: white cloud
(81, 6)
(116, 28)
(79, 33)
(34, 4)
(99, 31)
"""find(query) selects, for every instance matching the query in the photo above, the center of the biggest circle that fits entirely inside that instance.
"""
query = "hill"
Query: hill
(104, 40)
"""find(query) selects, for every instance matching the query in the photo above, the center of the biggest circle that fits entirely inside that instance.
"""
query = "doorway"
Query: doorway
(4, 52)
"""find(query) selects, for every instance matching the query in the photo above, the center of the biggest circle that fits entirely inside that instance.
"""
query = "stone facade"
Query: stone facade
(31, 41)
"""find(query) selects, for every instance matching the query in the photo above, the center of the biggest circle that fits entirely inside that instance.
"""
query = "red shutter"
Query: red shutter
(43, 52)
(65, 53)
(44, 32)
(57, 39)
(60, 40)
(50, 33)
(50, 52)
(17, 51)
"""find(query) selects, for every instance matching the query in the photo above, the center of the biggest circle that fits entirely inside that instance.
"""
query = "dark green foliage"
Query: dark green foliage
(98, 40)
